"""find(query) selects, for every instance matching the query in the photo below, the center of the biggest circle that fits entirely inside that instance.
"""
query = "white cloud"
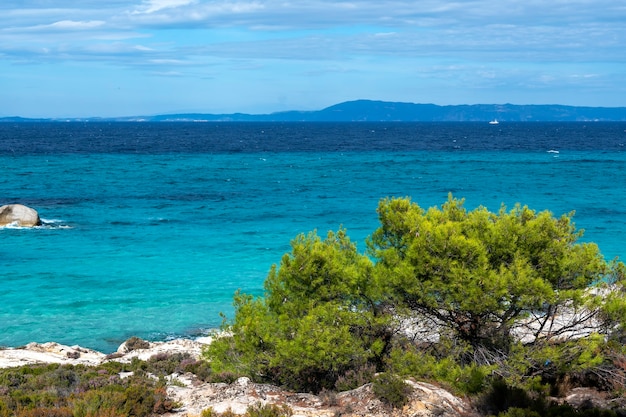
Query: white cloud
(475, 43)
(75, 25)
(152, 6)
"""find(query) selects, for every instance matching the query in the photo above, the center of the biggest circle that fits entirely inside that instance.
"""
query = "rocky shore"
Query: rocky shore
(194, 396)
(51, 352)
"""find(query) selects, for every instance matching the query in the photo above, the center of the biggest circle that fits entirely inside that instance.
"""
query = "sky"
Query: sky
(84, 58)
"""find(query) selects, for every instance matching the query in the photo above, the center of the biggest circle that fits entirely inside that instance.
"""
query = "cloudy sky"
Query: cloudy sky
(64, 58)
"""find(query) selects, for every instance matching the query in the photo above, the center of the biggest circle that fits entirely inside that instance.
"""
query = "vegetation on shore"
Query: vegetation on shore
(473, 300)
(508, 309)
(112, 389)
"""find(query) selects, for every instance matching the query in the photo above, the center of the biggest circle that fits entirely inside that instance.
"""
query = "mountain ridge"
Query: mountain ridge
(386, 111)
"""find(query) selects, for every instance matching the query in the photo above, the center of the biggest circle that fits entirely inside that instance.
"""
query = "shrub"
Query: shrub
(268, 410)
(518, 412)
(319, 319)
(166, 363)
(80, 391)
(201, 369)
(500, 398)
(354, 378)
(258, 410)
(210, 413)
(224, 376)
(135, 343)
(391, 390)
(44, 412)
(448, 370)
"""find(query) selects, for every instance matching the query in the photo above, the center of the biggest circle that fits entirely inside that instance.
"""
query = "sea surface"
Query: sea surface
(149, 228)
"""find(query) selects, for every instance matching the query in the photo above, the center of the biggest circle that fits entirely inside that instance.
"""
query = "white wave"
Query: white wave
(54, 224)
(45, 224)
(51, 221)
(13, 225)
(553, 151)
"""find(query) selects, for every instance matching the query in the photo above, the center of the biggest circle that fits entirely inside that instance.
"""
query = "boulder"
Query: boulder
(19, 215)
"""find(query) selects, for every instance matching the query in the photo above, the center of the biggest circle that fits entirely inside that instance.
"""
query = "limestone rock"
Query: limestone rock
(426, 400)
(584, 397)
(19, 215)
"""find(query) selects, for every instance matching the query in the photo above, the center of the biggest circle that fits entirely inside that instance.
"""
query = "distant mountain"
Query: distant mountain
(384, 111)
(366, 110)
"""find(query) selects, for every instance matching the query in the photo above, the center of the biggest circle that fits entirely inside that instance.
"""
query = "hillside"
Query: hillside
(383, 111)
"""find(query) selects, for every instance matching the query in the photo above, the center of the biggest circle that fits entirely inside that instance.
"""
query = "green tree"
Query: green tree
(321, 316)
(488, 278)
(443, 293)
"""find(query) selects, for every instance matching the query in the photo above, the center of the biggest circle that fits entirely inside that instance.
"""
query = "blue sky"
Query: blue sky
(78, 58)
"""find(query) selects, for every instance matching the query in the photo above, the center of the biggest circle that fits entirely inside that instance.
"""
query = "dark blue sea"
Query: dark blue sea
(151, 227)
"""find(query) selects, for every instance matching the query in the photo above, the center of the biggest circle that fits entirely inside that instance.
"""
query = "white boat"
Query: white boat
(494, 122)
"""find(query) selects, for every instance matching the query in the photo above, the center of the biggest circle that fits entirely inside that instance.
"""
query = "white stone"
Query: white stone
(18, 215)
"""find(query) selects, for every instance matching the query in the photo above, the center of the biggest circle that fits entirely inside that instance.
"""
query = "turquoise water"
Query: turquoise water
(155, 244)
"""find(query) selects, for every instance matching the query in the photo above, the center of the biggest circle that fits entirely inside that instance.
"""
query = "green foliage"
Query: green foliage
(471, 281)
(504, 401)
(391, 390)
(445, 367)
(81, 391)
(258, 410)
(478, 273)
(551, 369)
(320, 318)
(268, 410)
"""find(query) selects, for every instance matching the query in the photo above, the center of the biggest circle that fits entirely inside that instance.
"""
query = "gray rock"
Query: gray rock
(19, 215)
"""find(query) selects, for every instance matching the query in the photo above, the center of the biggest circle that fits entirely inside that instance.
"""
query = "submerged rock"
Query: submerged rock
(19, 215)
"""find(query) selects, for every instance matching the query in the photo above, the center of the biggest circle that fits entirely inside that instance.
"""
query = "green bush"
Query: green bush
(319, 319)
(448, 370)
(391, 390)
(268, 410)
(80, 391)
(258, 410)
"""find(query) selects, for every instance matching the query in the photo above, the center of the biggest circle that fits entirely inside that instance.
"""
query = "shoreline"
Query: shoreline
(53, 352)
(194, 396)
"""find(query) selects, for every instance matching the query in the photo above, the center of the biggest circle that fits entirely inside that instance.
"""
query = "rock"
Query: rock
(584, 398)
(191, 347)
(19, 215)
(50, 352)
(426, 400)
